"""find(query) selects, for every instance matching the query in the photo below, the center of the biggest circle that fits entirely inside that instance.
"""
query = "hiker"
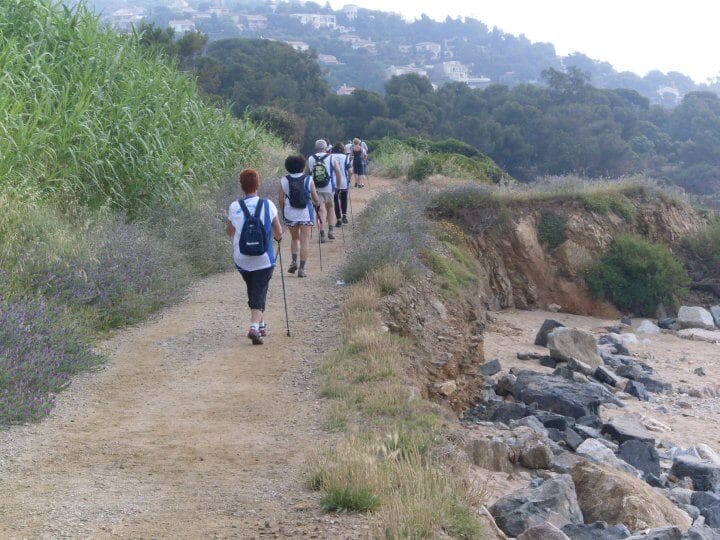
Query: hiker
(253, 223)
(342, 184)
(324, 171)
(359, 157)
(297, 197)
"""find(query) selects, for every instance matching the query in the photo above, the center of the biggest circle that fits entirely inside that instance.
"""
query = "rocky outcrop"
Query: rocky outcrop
(606, 494)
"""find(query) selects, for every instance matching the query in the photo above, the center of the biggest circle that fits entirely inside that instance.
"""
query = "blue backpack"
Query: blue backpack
(253, 238)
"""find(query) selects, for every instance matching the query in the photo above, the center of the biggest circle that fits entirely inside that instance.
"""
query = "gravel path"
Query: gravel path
(189, 431)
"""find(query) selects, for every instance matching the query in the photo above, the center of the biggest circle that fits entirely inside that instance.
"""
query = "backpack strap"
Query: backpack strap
(259, 207)
(244, 208)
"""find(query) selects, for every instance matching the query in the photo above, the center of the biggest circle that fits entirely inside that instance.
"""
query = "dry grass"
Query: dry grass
(386, 465)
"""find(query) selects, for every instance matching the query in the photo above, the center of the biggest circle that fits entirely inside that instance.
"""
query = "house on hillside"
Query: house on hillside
(429, 47)
(365, 44)
(124, 19)
(252, 22)
(669, 95)
(345, 90)
(317, 20)
(328, 59)
(182, 26)
(350, 11)
(453, 70)
(405, 49)
(396, 71)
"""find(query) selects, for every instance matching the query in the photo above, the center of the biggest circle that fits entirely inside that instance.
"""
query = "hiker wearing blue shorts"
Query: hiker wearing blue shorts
(252, 224)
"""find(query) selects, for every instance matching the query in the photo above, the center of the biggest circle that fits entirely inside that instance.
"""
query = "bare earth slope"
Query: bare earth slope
(189, 431)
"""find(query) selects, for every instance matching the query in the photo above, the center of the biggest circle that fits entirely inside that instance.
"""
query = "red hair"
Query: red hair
(249, 181)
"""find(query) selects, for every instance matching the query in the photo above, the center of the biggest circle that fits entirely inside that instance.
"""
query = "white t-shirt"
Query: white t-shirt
(342, 182)
(297, 214)
(327, 159)
(237, 218)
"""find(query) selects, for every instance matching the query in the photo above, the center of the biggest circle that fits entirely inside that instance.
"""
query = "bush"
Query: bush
(636, 275)
(393, 231)
(706, 245)
(41, 346)
(551, 229)
(117, 276)
(421, 168)
(603, 203)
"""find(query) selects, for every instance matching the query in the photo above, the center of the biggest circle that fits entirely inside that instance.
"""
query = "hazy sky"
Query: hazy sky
(634, 35)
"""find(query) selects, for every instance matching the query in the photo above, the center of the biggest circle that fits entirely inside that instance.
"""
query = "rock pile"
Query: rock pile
(594, 478)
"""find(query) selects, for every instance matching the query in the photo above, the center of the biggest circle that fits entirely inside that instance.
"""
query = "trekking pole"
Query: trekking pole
(352, 217)
(282, 278)
(319, 222)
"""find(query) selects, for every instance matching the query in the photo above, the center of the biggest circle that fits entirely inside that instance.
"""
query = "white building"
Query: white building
(182, 26)
(318, 20)
(252, 22)
(455, 71)
(429, 47)
(350, 11)
(328, 59)
(345, 90)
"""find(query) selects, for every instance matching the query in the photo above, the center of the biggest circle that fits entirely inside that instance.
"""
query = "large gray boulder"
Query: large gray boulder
(695, 317)
(705, 475)
(566, 343)
(596, 531)
(715, 312)
(709, 505)
(545, 531)
(626, 427)
(548, 326)
(553, 501)
(559, 395)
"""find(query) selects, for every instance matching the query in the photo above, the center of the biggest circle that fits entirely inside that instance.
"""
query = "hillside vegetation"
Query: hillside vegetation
(109, 162)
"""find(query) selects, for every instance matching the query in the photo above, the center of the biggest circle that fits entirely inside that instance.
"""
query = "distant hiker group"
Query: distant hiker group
(314, 189)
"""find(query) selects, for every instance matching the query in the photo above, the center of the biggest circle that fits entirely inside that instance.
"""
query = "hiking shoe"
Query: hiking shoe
(339, 223)
(254, 336)
(322, 237)
(344, 219)
(293, 266)
(263, 329)
(301, 273)
(331, 236)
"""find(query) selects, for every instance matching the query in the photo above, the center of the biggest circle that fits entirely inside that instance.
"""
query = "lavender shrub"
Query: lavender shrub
(393, 230)
(41, 346)
(121, 276)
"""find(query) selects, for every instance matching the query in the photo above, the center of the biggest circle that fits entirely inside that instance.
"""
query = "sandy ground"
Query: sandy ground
(189, 431)
(690, 420)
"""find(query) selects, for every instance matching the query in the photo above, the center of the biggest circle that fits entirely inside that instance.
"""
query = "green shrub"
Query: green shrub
(604, 203)
(636, 275)
(551, 229)
(706, 245)
(421, 168)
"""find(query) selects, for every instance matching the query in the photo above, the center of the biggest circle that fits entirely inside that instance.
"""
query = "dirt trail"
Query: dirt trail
(189, 431)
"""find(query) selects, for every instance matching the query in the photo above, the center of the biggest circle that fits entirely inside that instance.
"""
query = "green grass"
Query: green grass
(705, 246)
(349, 500)
(455, 274)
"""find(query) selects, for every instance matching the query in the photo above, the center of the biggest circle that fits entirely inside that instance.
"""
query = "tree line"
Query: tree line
(562, 125)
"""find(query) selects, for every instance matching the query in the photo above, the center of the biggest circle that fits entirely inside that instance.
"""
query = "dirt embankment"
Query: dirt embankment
(520, 272)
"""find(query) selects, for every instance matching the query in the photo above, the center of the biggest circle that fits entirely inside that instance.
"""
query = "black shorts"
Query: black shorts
(257, 283)
(359, 167)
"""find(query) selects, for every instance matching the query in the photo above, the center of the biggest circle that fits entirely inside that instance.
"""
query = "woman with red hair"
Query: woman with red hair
(255, 268)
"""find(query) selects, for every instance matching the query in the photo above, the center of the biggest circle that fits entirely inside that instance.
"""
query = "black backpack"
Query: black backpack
(297, 191)
(253, 240)
(320, 174)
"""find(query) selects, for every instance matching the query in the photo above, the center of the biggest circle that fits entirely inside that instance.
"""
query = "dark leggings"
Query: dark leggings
(257, 283)
(341, 198)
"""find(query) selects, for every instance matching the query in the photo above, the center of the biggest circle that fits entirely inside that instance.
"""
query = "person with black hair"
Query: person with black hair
(298, 198)
(342, 183)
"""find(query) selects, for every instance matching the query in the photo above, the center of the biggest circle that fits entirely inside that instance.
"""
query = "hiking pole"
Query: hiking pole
(282, 278)
(319, 222)
(352, 217)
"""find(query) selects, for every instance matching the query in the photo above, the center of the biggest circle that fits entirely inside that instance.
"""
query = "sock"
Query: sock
(294, 257)
(330, 228)
(302, 265)
(254, 326)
